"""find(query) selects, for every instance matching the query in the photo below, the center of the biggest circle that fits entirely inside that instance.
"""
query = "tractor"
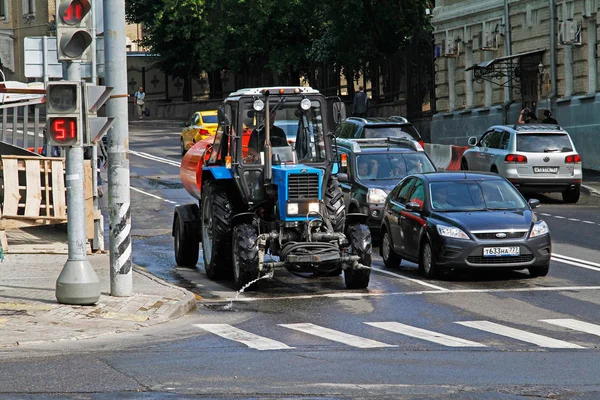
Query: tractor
(268, 196)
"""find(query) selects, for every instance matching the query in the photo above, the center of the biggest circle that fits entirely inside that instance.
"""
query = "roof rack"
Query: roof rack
(356, 144)
(537, 127)
(358, 119)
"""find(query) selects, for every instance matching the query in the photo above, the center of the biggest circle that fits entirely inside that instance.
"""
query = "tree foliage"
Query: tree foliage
(285, 37)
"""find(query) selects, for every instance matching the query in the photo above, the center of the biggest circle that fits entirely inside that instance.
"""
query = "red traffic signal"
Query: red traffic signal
(73, 12)
(63, 130)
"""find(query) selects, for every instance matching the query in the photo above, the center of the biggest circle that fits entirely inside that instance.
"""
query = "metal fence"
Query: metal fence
(21, 124)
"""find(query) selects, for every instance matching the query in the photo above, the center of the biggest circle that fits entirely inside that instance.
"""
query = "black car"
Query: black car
(368, 128)
(365, 188)
(451, 220)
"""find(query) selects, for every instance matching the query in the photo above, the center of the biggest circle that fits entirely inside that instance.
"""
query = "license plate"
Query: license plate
(501, 251)
(545, 170)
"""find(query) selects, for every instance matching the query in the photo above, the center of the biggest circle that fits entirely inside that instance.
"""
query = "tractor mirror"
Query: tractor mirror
(339, 112)
(472, 141)
(224, 115)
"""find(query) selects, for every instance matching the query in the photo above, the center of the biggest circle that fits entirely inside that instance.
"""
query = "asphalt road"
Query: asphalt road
(498, 335)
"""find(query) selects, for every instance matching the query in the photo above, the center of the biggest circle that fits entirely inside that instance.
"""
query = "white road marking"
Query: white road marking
(518, 334)
(249, 339)
(382, 271)
(151, 195)
(424, 334)
(418, 293)
(589, 222)
(574, 219)
(337, 336)
(546, 215)
(559, 217)
(155, 158)
(575, 325)
(575, 262)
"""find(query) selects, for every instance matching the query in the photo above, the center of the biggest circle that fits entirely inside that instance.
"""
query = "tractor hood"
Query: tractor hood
(299, 187)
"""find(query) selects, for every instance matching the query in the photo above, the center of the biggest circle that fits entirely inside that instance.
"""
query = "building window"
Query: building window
(2, 9)
(28, 7)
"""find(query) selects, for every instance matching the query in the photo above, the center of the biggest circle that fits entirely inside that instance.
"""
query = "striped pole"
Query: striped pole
(117, 140)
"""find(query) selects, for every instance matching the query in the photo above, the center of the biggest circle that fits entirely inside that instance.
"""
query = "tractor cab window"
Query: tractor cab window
(297, 134)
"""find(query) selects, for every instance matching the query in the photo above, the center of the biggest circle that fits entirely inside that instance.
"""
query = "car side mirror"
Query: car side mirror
(412, 206)
(339, 112)
(342, 177)
(472, 141)
(534, 203)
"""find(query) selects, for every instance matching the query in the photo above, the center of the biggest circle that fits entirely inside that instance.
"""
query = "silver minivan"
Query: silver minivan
(534, 158)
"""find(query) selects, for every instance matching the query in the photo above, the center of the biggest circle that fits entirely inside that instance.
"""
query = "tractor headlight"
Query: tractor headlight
(305, 104)
(313, 207)
(292, 209)
(258, 105)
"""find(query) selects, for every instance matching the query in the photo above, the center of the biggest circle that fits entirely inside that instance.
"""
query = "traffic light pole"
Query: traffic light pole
(117, 146)
(77, 282)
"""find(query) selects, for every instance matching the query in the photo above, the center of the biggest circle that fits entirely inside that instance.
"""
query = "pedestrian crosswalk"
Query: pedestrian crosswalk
(513, 335)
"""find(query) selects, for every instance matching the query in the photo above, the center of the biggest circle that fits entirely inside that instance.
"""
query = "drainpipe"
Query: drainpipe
(508, 98)
(552, 50)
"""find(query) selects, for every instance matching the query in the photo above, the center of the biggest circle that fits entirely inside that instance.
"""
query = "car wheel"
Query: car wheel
(494, 169)
(390, 259)
(539, 271)
(464, 166)
(427, 262)
(572, 195)
(182, 148)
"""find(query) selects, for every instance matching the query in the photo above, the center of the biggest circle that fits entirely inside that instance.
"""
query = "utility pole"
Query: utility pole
(118, 142)
(77, 282)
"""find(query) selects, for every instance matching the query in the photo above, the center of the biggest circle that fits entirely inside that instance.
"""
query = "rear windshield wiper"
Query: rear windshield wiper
(551, 150)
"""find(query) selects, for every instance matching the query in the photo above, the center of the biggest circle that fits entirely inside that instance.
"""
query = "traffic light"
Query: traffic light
(73, 29)
(95, 127)
(63, 127)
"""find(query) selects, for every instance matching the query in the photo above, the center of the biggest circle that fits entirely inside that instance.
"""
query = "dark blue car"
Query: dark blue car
(451, 220)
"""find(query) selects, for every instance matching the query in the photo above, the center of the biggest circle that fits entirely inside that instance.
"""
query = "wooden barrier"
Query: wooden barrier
(33, 193)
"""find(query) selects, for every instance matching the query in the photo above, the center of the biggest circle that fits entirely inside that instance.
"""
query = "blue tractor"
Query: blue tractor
(269, 197)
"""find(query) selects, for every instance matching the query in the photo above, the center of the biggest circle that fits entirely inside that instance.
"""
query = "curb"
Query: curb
(591, 191)
(183, 306)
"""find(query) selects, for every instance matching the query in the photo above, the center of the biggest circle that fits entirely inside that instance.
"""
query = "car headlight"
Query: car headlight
(539, 229)
(292, 208)
(452, 232)
(376, 196)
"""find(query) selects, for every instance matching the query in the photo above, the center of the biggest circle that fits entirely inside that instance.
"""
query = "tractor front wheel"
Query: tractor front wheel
(245, 256)
(217, 212)
(359, 237)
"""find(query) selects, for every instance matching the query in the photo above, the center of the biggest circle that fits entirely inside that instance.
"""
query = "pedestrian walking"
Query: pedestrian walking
(359, 106)
(548, 118)
(139, 100)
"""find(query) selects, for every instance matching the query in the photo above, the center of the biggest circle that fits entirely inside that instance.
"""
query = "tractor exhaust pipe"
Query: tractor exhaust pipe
(268, 150)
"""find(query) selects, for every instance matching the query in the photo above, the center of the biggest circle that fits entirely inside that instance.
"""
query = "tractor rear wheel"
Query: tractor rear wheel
(217, 212)
(245, 256)
(359, 237)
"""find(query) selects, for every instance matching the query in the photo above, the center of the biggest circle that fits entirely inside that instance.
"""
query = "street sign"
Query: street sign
(73, 29)
(34, 58)
(63, 113)
(95, 127)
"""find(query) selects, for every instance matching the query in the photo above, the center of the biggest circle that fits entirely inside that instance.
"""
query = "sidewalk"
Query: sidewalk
(30, 314)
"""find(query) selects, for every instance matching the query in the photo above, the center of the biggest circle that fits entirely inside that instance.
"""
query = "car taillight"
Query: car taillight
(515, 159)
(204, 132)
(573, 159)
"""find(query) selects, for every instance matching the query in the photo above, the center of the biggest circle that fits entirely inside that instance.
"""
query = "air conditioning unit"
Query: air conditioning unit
(569, 33)
(488, 40)
(449, 47)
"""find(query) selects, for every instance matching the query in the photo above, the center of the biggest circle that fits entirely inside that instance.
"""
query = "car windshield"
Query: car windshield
(297, 135)
(209, 119)
(544, 143)
(493, 194)
(387, 132)
(391, 165)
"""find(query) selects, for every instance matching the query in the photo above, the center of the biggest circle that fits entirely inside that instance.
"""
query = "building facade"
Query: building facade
(495, 57)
